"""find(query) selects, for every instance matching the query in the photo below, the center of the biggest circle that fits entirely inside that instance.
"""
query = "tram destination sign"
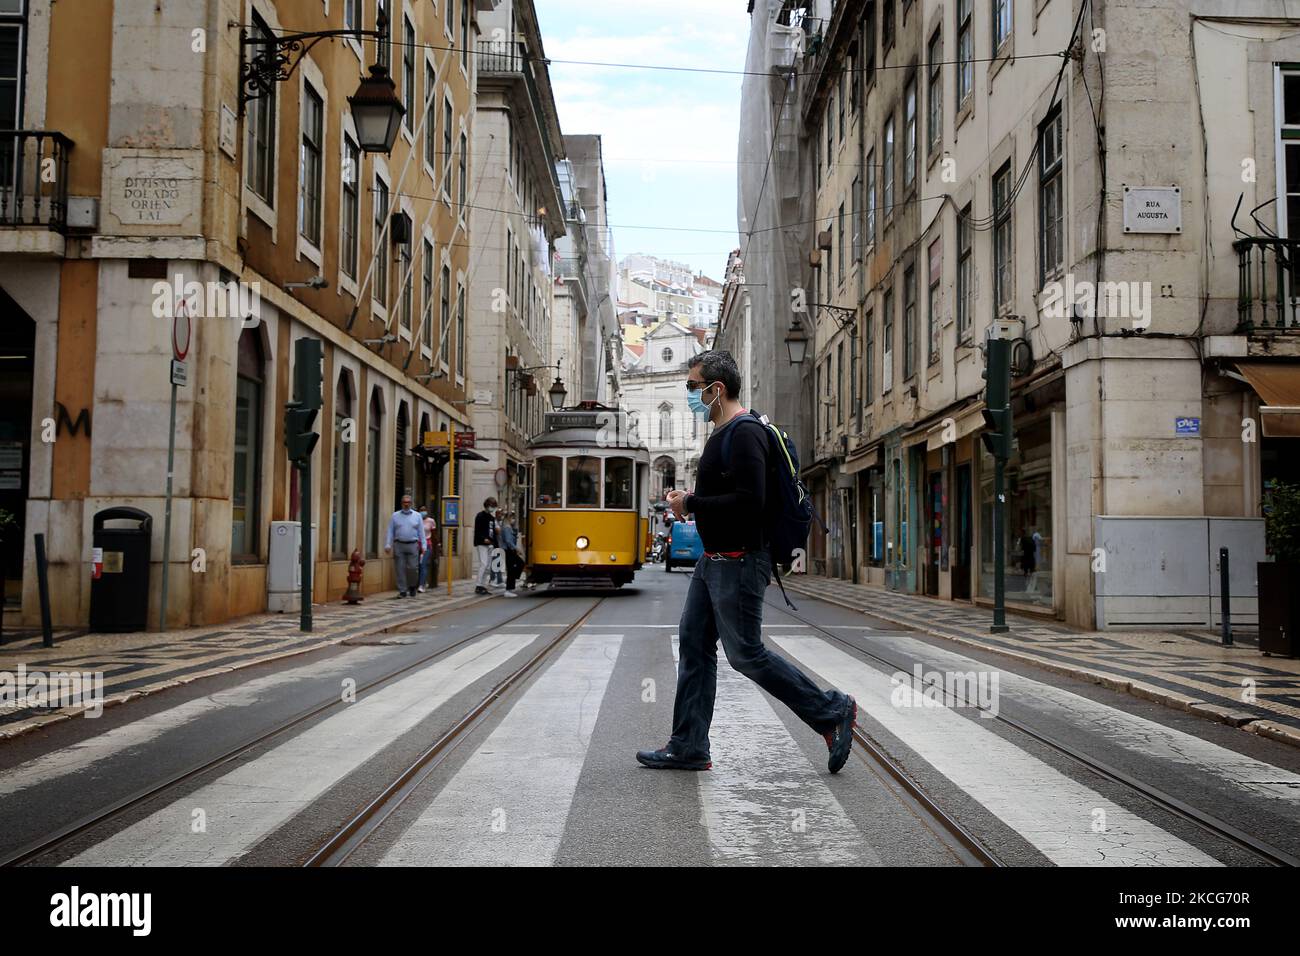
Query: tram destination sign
(557, 420)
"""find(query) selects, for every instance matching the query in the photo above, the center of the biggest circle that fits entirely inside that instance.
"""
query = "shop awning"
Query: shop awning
(1278, 387)
(875, 458)
(964, 422)
(438, 454)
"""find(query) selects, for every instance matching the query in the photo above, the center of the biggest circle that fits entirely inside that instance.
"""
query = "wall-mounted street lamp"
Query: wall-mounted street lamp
(557, 391)
(796, 341)
(376, 110)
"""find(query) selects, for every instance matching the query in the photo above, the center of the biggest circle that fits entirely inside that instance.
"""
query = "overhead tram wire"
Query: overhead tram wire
(549, 61)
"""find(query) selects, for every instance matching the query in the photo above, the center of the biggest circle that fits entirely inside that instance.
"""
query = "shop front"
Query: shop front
(1028, 526)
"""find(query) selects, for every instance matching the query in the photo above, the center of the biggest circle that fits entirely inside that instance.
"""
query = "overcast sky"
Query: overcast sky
(669, 137)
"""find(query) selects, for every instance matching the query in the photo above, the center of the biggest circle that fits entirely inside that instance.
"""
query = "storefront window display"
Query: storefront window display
(1028, 528)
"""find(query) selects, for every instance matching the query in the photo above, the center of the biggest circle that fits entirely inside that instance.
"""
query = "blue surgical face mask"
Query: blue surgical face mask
(696, 404)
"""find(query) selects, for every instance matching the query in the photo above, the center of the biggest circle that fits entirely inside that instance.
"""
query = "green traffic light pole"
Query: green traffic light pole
(997, 416)
(305, 554)
(300, 414)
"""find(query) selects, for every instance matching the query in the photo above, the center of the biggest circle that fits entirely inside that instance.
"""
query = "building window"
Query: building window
(1001, 23)
(244, 492)
(430, 118)
(855, 410)
(309, 166)
(887, 345)
(909, 322)
(1288, 152)
(374, 515)
(839, 384)
(460, 331)
(464, 33)
(351, 206)
(887, 200)
(408, 74)
(405, 277)
(426, 292)
(1051, 199)
(932, 298)
(383, 48)
(1002, 250)
(463, 173)
(667, 356)
(261, 134)
(965, 274)
(856, 219)
(830, 132)
(870, 237)
(869, 358)
(381, 260)
(909, 133)
(934, 94)
(965, 53)
(447, 121)
(887, 24)
(444, 319)
(841, 106)
(340, 510)
(839, 251)
(352, 14)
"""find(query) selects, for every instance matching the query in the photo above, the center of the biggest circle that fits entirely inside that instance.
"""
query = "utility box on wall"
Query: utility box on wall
(284, 566)
(1161, 572)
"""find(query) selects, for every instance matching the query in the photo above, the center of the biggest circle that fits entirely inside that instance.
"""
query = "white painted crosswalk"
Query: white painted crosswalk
(508, 804)
(1069, 823)
(768, 799)
(240, 808)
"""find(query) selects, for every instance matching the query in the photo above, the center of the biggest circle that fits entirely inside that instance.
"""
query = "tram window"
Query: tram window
(584, 482)
(618, 483)
(550, 482)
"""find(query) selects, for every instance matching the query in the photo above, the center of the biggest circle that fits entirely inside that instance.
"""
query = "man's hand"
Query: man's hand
(677, 502)
(388, 550)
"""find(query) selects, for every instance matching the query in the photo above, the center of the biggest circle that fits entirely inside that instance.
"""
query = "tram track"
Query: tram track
(1208, 823)
(352, 835)
(50, 843)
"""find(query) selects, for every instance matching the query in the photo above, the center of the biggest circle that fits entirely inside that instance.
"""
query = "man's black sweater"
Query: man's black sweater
(730, 496)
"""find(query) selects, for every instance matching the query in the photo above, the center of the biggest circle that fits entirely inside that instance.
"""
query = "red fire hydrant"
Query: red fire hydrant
(353, 595)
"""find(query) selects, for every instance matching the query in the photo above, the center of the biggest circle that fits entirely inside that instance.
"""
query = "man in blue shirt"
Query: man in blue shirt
(405, 541)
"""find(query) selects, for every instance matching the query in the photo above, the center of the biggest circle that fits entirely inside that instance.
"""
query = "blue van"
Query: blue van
(684, 545)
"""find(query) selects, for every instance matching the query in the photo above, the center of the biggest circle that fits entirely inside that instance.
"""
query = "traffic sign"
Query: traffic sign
(465, 439)
(180, 373)
(181, 331)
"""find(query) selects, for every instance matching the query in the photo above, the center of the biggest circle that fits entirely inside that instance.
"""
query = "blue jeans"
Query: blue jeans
(725, 600)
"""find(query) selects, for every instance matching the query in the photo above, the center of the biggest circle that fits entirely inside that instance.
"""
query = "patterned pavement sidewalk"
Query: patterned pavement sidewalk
(1186, 670)
(135, 664)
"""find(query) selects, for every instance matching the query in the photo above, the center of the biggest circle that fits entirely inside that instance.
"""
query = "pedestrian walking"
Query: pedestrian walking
(405, 542)
(725, 597)
(432, 549)
(497, 577)
(485, 540)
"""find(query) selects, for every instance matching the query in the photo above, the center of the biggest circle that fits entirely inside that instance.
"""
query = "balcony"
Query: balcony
(1268, 285)
(33, 190)
(503, 59)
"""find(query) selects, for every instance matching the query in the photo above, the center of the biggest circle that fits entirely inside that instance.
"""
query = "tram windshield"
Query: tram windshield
(618, 483)
(584, 482)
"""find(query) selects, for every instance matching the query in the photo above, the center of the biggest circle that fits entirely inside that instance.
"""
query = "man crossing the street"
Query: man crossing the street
(405, 542)
(725, 597)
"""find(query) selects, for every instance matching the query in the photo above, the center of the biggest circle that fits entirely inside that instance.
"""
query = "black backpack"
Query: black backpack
(789, 508)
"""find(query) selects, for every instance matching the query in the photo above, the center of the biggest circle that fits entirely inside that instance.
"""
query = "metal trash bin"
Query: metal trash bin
(119, 591)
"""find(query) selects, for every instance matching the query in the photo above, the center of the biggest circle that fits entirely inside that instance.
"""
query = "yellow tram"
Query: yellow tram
(591, 497)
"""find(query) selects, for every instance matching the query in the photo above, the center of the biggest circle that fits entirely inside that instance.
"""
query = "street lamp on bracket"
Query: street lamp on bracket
(557, 392)
(267, 60)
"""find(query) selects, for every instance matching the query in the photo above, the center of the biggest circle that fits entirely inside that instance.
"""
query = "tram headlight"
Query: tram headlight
(582, 542)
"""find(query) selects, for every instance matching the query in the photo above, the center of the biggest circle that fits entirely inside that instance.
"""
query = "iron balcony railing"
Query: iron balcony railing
(509, 59)
(34, 179)
(1268, 284)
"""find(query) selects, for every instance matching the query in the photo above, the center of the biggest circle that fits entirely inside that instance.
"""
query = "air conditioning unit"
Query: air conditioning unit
(815, 259)
(824, 239)
(284, 566)
(400, 230)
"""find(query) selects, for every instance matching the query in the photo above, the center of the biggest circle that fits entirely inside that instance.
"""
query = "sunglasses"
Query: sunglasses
(696, 386)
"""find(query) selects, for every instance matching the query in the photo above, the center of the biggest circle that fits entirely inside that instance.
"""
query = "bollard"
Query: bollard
(1225, 600)
(43, 586)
